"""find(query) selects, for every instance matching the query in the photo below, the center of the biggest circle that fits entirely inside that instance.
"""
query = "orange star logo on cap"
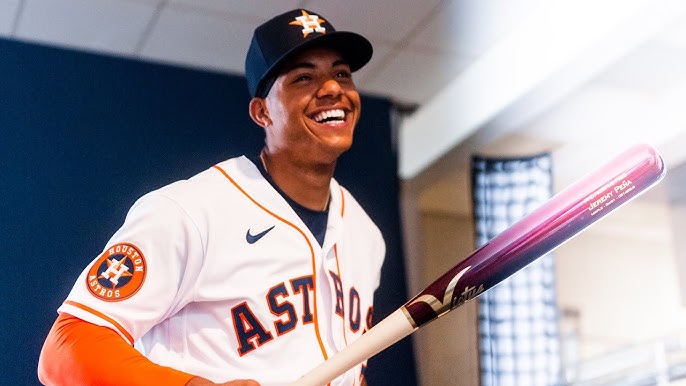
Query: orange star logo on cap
(310, 23)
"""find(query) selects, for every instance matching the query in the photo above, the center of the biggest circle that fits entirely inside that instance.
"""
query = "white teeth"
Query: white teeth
(330, 115)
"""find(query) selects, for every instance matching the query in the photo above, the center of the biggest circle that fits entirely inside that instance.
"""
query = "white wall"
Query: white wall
(678, 231)
(621, 276)
(447, 348)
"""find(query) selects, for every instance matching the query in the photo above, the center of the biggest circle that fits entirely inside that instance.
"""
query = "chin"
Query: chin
(334, 151)
(342, 146)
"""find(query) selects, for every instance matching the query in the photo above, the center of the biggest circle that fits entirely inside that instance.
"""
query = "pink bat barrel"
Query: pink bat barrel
(559, 219)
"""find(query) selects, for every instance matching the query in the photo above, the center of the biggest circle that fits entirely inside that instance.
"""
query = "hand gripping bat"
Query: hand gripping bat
(559, 219)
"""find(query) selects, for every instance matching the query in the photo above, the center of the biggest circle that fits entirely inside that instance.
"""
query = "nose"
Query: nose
(330, 88)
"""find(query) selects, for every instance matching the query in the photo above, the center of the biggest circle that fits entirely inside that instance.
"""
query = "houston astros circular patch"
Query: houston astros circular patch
(117, 274)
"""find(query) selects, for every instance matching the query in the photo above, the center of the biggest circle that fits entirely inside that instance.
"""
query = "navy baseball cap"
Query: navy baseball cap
(290, 33)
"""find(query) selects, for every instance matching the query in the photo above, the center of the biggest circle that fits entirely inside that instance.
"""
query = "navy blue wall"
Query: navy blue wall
(82, 136)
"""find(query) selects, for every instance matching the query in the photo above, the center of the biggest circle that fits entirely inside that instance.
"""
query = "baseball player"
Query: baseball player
(258, 268)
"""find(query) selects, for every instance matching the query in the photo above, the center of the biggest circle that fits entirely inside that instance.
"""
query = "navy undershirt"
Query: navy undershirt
(314, 219)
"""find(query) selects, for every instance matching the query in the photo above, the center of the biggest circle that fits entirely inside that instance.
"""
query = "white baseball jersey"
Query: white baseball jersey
(217, 276)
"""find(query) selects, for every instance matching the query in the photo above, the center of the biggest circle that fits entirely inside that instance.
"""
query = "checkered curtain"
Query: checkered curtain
(518, 318)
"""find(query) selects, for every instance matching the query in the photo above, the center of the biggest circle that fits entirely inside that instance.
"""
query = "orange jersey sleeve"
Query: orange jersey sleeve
(80, 353)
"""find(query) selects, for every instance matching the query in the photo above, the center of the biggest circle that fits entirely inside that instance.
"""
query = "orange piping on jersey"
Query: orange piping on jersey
(118, 326)
(314, 267)
(342, 202)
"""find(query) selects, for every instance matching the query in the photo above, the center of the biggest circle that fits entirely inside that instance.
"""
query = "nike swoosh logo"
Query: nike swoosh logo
(252, 239)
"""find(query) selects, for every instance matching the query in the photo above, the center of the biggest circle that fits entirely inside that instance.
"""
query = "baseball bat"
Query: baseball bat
(556, 221)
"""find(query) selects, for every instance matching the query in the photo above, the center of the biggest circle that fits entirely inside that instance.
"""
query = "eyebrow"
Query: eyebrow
(309, 65)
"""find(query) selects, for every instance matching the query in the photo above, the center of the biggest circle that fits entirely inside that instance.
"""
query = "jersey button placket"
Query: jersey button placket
(337, 321)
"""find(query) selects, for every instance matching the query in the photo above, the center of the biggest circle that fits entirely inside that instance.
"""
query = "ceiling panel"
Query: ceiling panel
(258, 10)
(204, 40)
(377, 20)
(675, 34)
(8, 10)
(414, 76)
(102, 25)
(470, 27)
(653, 68)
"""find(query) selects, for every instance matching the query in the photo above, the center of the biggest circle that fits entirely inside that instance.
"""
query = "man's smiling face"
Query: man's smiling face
(313, 106)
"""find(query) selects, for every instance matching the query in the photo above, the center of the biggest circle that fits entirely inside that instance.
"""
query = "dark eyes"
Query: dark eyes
(343, 74)
(303, 77)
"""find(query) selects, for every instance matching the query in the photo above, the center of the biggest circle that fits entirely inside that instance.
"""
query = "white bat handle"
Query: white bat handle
(387, 332)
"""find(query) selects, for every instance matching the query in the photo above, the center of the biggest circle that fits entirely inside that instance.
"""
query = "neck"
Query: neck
(305, 183)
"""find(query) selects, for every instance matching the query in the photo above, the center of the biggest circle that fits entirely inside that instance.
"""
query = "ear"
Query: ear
(259, 112)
